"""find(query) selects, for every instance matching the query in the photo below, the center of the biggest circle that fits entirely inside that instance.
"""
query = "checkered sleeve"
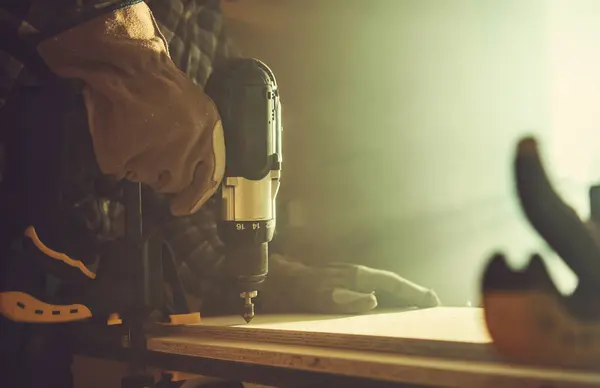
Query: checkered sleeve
(197, 37)
(226, 49)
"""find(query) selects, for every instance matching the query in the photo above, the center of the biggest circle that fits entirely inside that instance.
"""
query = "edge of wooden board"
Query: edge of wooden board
(396, 345)
(374, 365)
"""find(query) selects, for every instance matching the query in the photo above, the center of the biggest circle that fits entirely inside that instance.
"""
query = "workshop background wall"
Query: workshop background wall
(401, 117)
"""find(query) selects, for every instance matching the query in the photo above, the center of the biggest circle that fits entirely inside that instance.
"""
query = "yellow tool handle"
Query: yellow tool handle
(21, 307)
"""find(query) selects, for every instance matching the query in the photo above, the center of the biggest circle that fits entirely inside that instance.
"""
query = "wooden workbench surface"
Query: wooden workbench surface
(446, 347)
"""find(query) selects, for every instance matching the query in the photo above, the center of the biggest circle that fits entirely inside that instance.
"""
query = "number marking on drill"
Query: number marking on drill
(240, 227)
(255, 225)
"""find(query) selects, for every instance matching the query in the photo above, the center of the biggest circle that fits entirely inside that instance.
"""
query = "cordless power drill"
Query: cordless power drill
(247, 98)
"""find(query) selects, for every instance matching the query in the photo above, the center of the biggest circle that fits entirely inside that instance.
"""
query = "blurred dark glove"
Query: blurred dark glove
(337, 288)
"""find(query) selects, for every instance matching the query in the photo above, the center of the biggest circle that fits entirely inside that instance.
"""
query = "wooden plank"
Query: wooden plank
(446, 347)
(457, 333)
(373, 365)
(441, 324)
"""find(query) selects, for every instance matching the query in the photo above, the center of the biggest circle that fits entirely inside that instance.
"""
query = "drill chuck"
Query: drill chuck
(246, 95)
(247, 265)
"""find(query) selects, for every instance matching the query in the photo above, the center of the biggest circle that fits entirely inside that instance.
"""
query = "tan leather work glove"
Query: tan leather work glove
(337, 289)
(148, 122)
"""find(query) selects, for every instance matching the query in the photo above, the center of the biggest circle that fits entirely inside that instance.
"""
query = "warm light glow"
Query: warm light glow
(574, 59)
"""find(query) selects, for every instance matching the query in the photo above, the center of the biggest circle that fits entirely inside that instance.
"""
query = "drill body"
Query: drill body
(247, 98)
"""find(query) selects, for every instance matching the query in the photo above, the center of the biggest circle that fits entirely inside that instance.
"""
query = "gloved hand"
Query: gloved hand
(148, 121)
(337, 288)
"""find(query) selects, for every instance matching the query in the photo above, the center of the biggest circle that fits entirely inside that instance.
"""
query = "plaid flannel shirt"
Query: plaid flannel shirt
(197, 43)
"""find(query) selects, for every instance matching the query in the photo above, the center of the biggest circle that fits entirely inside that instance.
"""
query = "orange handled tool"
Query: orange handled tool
(528, 319)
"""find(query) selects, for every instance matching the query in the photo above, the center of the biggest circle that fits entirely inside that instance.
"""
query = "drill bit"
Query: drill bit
(248, 305)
